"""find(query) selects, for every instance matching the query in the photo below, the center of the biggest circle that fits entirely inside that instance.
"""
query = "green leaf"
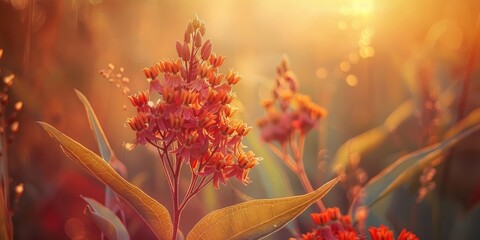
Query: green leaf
(106, 220)
(256, 218)
(371, 139)
(111, 200)
(154, 213)
(407, 166)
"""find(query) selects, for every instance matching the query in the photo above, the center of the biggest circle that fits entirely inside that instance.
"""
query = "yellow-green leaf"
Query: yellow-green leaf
(256, 218)
(154, 213)
(473, 118)
(406, 167)
(370, 139)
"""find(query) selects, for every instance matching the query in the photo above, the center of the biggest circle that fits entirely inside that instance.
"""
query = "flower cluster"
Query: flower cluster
(332, 225)
(192, 120)
(288, 111)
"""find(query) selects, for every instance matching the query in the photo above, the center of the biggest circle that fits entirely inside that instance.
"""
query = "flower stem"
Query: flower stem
(285, 157)
(302, 175)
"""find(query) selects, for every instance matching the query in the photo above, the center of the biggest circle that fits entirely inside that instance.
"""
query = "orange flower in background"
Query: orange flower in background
(288, 111)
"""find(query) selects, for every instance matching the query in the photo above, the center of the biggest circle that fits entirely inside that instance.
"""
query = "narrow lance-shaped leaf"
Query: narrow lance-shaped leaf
(104, 146)
(111, 200)
(154, 213)
(370, 139)
(256, 218)
(470, 120)
(105, 149)
(406, 167)
(106, 220)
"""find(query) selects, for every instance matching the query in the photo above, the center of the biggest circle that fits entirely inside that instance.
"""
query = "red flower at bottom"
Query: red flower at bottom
(380, 233)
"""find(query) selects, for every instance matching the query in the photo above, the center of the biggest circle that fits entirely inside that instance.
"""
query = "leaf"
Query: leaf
(256, 218)
(106, 220)
(407, 166)
(111, 201)
(105, 149)
(370, 139)
(154, 213)
(473, 118)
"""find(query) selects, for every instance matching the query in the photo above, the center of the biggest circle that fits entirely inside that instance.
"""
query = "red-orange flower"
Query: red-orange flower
(380, 233)
(192, 121)
(406, 235)
(332, 225)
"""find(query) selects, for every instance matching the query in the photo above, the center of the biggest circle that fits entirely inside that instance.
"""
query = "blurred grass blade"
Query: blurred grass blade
(104, 146)
(111, 201)
(256, 218)
(470, 120)
(105, 149)
(154, 213)
(404, 168)
(106, 220)
(369, 140)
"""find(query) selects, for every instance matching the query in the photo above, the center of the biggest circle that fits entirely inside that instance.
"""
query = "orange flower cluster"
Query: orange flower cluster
(288, 111)
(332, 225)
(192, 121)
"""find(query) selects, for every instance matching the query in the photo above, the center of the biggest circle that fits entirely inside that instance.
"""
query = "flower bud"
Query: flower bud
(198, 40)
(161, 66)
(186, 52)
(154, 71)
(179, 48)
(202, 29)
(206, 49)
(147, 73)
(187, 37)
(196, 22)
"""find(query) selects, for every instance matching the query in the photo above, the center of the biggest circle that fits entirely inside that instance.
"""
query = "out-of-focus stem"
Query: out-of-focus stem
(286, 158)
(302, 175)
(469, 70)
(6, 228)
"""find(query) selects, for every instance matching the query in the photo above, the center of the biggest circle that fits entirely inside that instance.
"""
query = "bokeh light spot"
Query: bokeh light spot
(351, 80)
(345, 66)
(322, 73)
(75, 229)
